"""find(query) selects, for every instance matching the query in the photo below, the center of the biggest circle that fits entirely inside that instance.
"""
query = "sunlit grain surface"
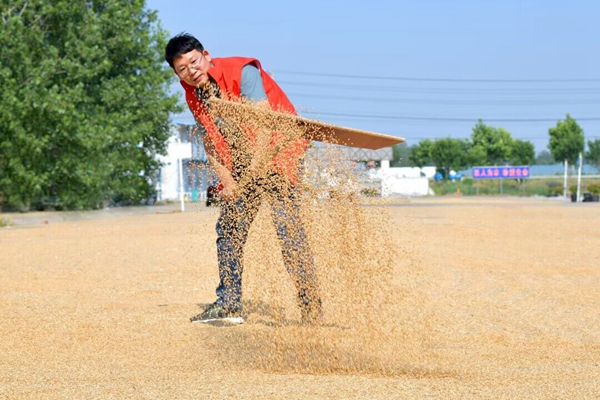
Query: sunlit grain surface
(487, 299)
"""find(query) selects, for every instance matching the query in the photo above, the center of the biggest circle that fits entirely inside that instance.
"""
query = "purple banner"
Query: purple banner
(500, 172)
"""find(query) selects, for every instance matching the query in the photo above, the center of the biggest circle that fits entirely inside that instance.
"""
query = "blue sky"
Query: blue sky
(459, 42)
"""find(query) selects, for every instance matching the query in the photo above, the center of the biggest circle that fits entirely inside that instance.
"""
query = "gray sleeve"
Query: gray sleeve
(252, 86)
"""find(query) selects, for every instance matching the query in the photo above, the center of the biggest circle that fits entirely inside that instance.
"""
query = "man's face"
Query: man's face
(192, 67)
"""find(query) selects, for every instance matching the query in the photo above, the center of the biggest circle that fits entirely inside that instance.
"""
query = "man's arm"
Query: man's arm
(252, 89)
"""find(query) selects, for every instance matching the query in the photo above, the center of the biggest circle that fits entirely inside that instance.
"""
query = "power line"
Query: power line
(445, 102)
(430, 90)
(430, 122)
(421, 79)
(424, 118)
(432, 134)
(448, 119)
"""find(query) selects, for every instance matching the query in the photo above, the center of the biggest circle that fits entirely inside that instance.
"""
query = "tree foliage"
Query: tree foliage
(544, 158)
(489, 146)
(523, 152)
(566, 140)
(477, 156)
(400, 155)
(495, 143)
(593, 155)
(449, 153)
(420, 154)
(84, 105)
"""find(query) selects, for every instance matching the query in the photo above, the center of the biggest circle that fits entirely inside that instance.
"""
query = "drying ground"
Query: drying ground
(486, 298)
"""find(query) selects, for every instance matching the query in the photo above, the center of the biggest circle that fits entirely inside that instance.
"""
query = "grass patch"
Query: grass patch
(5, 222)
(527, 187)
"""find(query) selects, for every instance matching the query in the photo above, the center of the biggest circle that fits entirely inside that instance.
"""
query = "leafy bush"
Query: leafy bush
(573, 188)
(511, 187)
(593, 188)
(556, 190)
(369, 192)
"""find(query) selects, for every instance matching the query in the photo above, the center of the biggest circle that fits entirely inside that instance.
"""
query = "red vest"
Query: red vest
(227, 72)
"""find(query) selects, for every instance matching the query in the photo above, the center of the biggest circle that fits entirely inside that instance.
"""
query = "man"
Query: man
(235, 158)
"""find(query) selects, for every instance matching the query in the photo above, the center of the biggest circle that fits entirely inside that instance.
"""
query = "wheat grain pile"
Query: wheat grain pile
(423, 298)
(362, 331)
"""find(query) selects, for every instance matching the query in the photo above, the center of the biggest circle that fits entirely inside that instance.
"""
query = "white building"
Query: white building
(185, 144)
(406, 181)
(388, 181)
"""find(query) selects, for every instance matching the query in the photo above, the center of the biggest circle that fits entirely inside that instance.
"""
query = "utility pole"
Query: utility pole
(579, 178)
(565, 184)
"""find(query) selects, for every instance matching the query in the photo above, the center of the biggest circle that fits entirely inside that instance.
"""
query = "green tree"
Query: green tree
(477, 156)
(420, 154)
(566, 140)
(544, 158)
(449, 153)
(497, 143)
(593, 155)
(84, 105)
(400, 155)
(523, 152)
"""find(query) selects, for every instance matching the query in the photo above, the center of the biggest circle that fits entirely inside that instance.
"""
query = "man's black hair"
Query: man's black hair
(181, 44)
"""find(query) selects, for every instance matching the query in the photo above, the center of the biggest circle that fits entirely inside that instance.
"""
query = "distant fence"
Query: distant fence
(560, 177)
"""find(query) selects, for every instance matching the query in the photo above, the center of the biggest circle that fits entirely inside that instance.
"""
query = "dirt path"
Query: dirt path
(490, 298)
